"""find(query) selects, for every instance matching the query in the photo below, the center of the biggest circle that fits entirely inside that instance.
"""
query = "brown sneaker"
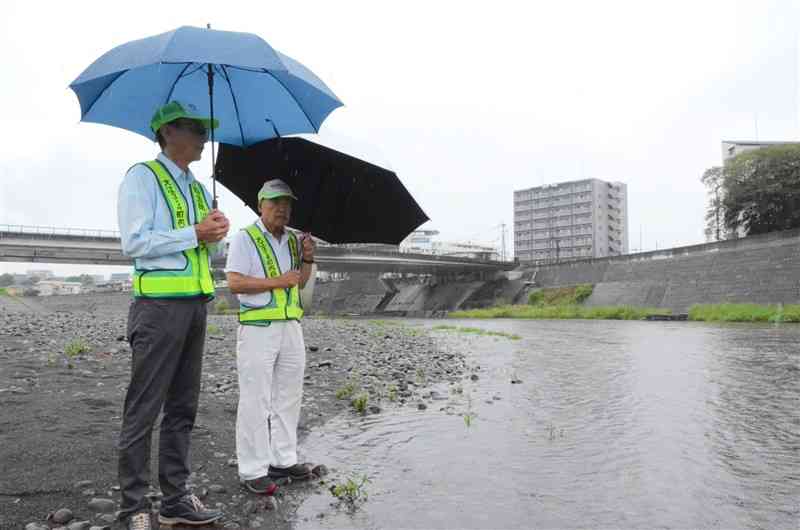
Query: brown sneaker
(260, 486)
(295, 472)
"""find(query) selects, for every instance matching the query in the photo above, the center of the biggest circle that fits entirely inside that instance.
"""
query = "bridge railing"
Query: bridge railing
(378, 251)
(57, 231)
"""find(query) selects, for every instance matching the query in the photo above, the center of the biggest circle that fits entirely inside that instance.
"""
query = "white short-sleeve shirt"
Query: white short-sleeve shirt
(243, 258)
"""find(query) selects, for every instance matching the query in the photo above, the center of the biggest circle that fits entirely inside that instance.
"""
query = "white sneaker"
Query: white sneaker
(139, 521)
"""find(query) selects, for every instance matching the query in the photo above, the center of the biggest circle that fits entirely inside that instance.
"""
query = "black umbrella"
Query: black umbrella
(341, 198)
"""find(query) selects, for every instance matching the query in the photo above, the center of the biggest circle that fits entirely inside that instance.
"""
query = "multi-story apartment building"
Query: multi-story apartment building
(571, 220)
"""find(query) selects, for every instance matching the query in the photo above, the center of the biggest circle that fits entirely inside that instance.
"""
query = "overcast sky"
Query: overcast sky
(467, 101)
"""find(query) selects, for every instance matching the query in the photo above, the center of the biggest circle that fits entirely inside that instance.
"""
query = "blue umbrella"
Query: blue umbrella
(256, 92)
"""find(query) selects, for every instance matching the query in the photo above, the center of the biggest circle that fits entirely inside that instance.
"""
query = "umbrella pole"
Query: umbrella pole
(211, 105)
(213, 168)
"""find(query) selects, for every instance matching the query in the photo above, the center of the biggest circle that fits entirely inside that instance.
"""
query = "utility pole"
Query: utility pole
(502, 241)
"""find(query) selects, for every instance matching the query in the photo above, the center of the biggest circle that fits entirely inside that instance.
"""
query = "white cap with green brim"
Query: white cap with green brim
(275, 188)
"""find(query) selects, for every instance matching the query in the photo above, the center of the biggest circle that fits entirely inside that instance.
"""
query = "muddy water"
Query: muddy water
(613, 425)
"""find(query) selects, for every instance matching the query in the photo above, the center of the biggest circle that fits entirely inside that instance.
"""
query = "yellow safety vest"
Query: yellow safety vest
(285, 303)
(195, 278)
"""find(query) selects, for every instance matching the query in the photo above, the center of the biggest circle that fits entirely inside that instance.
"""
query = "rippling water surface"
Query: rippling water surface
(615, 425)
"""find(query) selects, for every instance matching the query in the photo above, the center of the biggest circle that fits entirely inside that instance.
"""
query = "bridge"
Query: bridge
(102, 247)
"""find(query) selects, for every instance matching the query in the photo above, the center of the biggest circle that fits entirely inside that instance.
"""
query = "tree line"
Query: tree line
(755, 192)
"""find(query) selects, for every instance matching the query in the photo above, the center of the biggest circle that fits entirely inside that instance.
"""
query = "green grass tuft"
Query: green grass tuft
(352, 492)
(360, 403)
(476, 331)
(744, 313)
(573, 295)
(346, 391)
(76, 347)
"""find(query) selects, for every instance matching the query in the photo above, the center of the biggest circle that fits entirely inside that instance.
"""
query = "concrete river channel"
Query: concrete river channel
(607, 425)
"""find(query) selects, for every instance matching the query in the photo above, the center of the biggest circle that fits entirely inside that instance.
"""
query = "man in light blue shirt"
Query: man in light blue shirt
(167, 227)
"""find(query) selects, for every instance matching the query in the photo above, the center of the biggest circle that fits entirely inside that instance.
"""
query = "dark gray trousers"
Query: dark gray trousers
(167, 339)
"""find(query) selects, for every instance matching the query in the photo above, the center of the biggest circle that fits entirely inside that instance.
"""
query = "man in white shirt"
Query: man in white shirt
(267, 266)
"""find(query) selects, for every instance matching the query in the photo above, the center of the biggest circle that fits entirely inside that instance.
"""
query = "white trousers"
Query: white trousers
(270, 362)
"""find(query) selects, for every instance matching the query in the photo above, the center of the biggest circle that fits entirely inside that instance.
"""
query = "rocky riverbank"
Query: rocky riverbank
(64, 368)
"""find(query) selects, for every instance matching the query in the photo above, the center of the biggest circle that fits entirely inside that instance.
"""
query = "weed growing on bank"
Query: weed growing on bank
(352, 492)
(360, 403)
(469, 416)
(76, 347)
(345, 391)
(561, 295)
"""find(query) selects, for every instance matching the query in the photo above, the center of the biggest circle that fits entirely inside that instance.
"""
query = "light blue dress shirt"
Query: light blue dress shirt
(145, 221)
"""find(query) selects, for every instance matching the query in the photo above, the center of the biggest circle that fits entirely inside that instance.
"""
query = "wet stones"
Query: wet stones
(107, 518)
(82, 484)
(102, 505)
(61, 516)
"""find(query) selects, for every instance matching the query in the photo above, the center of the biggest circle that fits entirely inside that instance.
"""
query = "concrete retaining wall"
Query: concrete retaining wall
(758, 269)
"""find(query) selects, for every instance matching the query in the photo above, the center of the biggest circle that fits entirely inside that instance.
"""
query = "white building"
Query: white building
(465, 250)
(42, 274)
(732, 148)
(424, 242)
(571, 220)
(54, 287)
(419, 241)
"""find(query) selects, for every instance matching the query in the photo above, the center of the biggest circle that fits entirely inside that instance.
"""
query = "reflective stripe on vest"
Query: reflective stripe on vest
(195, 278)
(285, 303)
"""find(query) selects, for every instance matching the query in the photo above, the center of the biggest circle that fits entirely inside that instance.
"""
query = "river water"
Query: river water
(613, 425)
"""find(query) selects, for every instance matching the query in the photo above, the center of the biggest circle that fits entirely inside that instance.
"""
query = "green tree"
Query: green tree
(762, 190)
(6, 280)
(84, 279)
(713, 179)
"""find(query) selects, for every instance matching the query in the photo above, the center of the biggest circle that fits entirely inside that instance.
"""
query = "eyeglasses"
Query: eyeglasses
(192, 126)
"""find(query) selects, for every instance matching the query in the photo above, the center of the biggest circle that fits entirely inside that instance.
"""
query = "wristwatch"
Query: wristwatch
(309, 261)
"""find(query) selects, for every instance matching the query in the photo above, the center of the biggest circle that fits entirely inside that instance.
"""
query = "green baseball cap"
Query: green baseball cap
(174, 110)
(272, 189)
